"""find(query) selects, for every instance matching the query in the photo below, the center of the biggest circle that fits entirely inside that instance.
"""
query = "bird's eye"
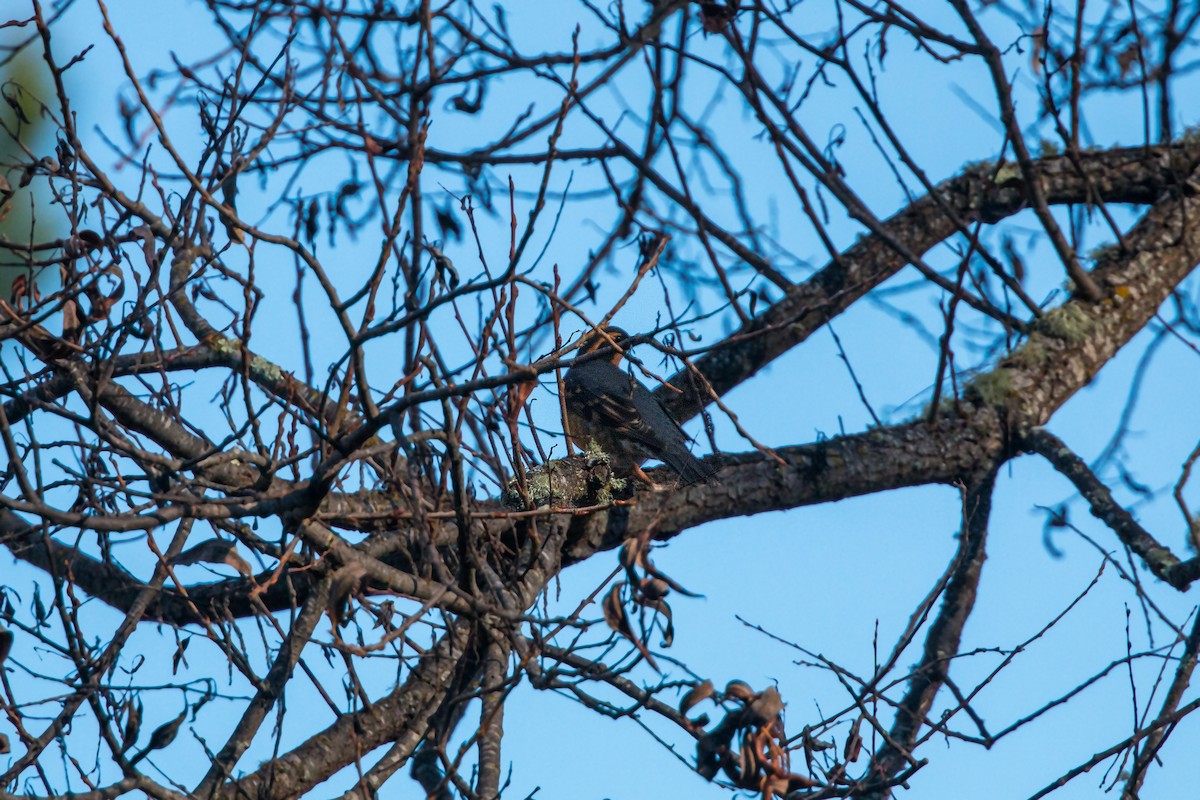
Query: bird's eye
(617, 335)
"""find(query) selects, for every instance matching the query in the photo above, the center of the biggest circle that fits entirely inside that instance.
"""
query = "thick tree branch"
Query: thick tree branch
(945, 634)
(1119, 175)
(1159, 559)
(400, 717)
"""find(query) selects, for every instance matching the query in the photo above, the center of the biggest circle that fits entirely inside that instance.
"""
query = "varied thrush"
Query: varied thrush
(614, 410)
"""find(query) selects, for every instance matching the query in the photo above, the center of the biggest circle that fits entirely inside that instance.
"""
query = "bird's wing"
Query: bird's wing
(609, 397)
(674, 448)
(652, 412)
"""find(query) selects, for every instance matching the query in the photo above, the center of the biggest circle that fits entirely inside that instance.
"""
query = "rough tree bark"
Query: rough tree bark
(404, 487)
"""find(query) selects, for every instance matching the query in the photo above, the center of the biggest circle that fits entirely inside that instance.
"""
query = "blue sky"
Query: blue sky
(826, 577)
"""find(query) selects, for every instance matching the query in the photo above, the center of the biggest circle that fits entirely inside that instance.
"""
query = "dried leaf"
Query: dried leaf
(765, 708)
(80, 243)
(739, 690)
(614, 611)
(518, 393)
(72, 321)
(715, 17)
(21, 289)
(465, 103)
(662, 576)
(312, 221)
(229, 189)
(235, 560)
(65, 155)
(1128, 58)
(15, 105)
(813, 744)
(853, 746)
(101, 301)
(797, 782)
(1016, 263)
(162, 737)
(6, 641)
(345, 192)
(747, 764)
(346, 584)
(653, 589)
(665, 610)
(39, 608)
(444, 267)
(149, 252)
(700, 692)
(208, 696)
(775, 785)
(449, 225)
(708, 759)
(229, 222)
(133, 724)
(178, 657)
(212, 551)
(631, 556)
(618, 620)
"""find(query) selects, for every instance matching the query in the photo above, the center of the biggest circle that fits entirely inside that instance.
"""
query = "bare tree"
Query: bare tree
(317, 284)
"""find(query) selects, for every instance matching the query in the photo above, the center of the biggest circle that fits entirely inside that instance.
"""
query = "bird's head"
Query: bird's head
(606, 336)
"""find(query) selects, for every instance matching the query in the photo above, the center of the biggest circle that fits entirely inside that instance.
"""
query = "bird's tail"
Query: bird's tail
(691, 469)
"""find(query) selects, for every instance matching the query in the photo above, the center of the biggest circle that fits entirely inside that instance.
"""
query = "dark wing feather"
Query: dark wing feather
(614, 400)
(673, 450)
(605, 395)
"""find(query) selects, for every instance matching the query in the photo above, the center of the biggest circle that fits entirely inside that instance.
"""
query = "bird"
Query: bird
(612, 409)
(163, 736)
